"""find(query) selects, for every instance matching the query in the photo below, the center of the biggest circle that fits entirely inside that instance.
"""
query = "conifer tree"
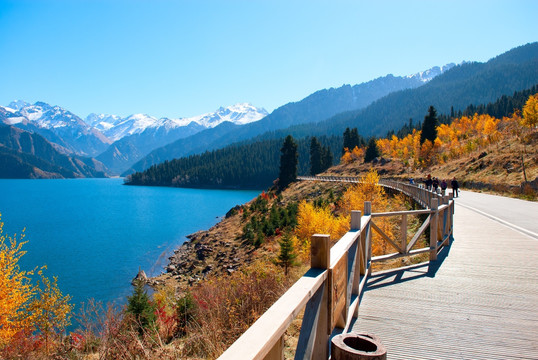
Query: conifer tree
(327, 158)
(352, 139)
(288, 163)
(372, 150)
(429, 131)
(287, 255)
(347, 140)
(315, 157)
(141, 307)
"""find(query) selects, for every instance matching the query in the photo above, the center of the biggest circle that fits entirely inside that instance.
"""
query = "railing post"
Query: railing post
(356, 225)
(433, 229)
(320, 247)
(368, 249)
(355, 220)
(403, 229)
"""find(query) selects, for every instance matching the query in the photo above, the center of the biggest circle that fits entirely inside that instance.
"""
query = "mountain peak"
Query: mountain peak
(427, 75)
(18, 104)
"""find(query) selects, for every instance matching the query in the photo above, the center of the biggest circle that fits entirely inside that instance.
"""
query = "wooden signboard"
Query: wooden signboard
(338, 293)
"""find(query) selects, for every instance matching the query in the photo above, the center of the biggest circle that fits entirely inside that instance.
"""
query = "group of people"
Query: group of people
(433, 183)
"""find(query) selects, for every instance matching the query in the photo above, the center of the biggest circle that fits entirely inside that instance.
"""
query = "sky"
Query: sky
(184, 58)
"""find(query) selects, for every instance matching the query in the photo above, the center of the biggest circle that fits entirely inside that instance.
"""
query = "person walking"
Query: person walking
(435, 184)
(455, 186)
(444, 185)
(428, 182)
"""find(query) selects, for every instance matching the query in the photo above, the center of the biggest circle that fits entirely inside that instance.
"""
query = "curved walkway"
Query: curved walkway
(482, 303)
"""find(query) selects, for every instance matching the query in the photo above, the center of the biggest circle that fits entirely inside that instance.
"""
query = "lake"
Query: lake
(94, 234)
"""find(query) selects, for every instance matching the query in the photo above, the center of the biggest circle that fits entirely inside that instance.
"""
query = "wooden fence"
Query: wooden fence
(330, 291)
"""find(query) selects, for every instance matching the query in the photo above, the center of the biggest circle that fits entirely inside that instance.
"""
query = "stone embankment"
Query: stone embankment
(216, 251)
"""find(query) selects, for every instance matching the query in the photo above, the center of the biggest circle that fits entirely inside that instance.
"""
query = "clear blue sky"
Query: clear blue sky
(183, 58)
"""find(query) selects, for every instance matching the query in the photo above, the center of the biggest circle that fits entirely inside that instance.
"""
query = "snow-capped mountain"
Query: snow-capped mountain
(427, 75)
(139, 134)
(239, 114)
(116, 128)
(102, 122)
(61, 127)
(18, 104)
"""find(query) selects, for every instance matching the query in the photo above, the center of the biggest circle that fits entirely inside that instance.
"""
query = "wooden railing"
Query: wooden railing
(330, 291)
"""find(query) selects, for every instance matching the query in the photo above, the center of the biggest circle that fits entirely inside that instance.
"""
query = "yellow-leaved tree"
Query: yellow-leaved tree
(16, 289)
(530, 112)
(368, 189)
(27, 307)
(51, 310)
(317, 220)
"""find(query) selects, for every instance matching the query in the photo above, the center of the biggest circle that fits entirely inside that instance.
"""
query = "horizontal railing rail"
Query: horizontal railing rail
(330, 291)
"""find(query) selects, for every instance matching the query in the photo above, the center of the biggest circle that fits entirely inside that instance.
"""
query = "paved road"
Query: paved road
(518, 214)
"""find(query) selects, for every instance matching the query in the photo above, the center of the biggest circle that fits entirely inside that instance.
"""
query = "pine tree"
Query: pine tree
(371, 151)
(288, 163)
(429, 130)
(315, 157)
(141, 307)
(287, 255)
(326, 159)
(347, 140)
(352, 139)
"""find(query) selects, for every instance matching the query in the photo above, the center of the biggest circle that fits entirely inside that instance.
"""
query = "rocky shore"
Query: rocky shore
(216, 251)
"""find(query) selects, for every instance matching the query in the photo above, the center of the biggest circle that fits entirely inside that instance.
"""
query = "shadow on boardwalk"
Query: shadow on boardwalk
(408, 273)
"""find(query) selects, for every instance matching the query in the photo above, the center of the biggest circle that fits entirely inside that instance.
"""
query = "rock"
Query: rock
(170, 268)
(140, 277)
(233, 211)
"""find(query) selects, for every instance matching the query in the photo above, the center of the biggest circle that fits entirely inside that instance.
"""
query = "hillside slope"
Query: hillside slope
(315, 107)
(29, 155)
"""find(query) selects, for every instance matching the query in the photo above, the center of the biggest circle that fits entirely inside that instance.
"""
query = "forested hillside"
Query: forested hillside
(252, 165)
(316, 107)
(255, 164)
(469, 83)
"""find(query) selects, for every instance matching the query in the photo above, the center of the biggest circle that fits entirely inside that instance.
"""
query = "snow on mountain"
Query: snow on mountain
(59, 126)
(102, 122)
(115, 128)
(133, 124)
(18, 104)
(238, 114)
(49, 117)
(429, 74)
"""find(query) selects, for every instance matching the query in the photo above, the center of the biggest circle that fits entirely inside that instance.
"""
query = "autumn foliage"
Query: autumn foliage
(33, 314)
(463, 136)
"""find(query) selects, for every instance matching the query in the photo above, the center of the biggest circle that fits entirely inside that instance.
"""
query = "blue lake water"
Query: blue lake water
(94, 234)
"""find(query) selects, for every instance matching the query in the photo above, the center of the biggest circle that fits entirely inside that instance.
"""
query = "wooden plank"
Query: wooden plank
(419, 232)
(399, 255)
(398, 213)
(274, 322)
(307, 337)
(277, 352)
(403, 234)
(433, 230)
(384, 236)
(320, 251)
(481, 303)
(341, 248)
(338, 276)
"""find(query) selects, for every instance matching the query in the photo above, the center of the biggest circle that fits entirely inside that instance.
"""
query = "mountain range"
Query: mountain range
(133, 143)
(112, 138)
(316, 107)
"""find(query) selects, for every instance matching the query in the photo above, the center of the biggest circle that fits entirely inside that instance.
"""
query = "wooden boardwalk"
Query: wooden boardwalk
(479, 300)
